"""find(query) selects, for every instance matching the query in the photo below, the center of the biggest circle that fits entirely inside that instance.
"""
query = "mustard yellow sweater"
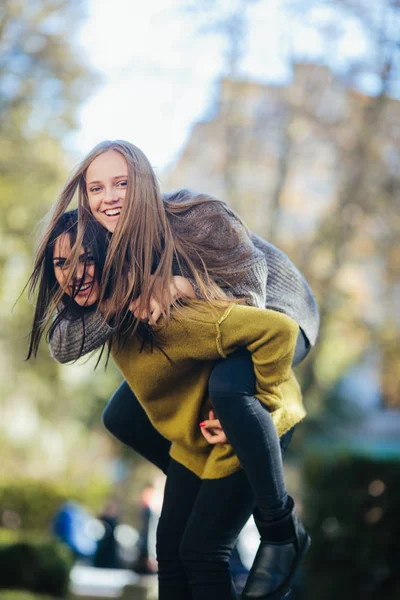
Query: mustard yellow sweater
(173, 390)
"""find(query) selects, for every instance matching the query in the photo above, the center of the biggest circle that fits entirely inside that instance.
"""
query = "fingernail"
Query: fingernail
(202, 424)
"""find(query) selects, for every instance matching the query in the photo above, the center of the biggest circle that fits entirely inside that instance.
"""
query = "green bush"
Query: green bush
(38, 564)
(33, 503)
(351, 511)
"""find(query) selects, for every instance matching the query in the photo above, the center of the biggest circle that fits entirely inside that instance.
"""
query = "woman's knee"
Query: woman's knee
(232, 378)
(167, 544)
(206, 563)
(302, 349)
(196, 556)
(115, 413)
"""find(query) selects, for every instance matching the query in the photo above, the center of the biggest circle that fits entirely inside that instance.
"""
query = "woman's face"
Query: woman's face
(106, 181)
(84, 280)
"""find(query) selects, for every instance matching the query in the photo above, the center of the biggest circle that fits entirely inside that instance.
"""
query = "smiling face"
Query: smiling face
(106, 182)
(84, 286)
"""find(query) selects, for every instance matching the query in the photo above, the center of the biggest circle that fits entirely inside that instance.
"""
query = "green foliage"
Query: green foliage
(41, 72)
(43, 81)
(31, 505)
(351, 511)
(38, 564)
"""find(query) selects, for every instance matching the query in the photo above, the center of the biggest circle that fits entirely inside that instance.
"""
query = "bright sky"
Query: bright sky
(156, 76)
(158, 71)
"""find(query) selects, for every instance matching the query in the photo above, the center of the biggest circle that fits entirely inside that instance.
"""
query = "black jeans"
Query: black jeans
(255, 442)
(250, 429)
(126, 419)
(199, 525)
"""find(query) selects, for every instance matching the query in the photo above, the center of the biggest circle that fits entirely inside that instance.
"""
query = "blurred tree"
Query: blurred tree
(360, 228)
(313, 166)
(43, 81)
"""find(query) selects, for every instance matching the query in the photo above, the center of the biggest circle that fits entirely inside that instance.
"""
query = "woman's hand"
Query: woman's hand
(180, 288)
(212, 430)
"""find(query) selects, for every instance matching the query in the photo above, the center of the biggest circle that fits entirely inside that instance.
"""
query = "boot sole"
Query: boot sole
(280, 593)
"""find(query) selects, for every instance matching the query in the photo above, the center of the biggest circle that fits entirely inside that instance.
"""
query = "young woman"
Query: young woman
(200, 238)
(208, 498)
(51, 277)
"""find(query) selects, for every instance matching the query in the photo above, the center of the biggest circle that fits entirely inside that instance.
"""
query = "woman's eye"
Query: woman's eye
(123, 183)
(95, 189)
(60, 264)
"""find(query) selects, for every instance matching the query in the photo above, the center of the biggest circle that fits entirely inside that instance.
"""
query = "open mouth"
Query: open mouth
(113, 212)
(83, 290)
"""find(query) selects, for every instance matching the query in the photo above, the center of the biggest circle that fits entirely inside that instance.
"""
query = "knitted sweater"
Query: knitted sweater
(271, 281)
(173, 389)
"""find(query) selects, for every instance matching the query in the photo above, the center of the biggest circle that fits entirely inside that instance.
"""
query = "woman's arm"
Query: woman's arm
(220, 233)
(180, 288)
(66, 342)
(270, 337)
(288, 290)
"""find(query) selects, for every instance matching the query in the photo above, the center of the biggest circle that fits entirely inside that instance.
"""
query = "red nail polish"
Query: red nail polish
(202, 424)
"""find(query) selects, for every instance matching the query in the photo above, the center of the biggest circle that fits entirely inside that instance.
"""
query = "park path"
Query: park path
(91, 583)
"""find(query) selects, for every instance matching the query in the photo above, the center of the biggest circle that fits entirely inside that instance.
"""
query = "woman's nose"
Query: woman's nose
(110, 195)
(80, 270)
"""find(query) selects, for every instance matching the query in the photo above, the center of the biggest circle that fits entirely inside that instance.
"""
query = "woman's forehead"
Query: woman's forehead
(107, 165)
(62, 247)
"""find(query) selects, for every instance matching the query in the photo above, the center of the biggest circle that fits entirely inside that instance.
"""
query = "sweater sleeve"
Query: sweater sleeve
(287, 290)
(270, 337)
(66, 341)
(253, 286)
(229, 239)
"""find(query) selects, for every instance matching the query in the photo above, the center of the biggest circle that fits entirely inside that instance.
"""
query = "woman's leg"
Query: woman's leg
(252, 434)
(126, 419)
(199, 524)
(221, 509)
(181, 489)
(303, 347)
(251, 431)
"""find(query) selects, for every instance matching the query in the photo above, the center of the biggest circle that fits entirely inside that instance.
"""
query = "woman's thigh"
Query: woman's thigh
(125, 419)
(234, 375)
(302, 349)
(181, 489)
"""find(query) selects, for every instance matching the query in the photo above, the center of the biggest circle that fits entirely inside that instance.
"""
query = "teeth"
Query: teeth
(112, 212)
(85, 287)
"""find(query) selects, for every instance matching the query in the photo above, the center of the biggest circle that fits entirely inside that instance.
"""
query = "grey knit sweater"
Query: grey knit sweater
(271, 281)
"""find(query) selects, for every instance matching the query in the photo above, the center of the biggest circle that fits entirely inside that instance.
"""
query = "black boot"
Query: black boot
(283, 544)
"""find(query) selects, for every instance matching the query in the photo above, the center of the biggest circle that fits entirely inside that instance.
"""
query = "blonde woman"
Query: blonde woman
(156, 241)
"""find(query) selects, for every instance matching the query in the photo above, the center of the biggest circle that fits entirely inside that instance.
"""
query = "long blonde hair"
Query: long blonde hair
(148, 241)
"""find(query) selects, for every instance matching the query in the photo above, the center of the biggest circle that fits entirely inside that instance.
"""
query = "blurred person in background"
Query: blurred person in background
(106, 555)
(145, 562)
(70, 525)
(202, 239)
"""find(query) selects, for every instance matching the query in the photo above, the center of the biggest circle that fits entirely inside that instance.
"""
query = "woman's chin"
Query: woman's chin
(85, 301)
